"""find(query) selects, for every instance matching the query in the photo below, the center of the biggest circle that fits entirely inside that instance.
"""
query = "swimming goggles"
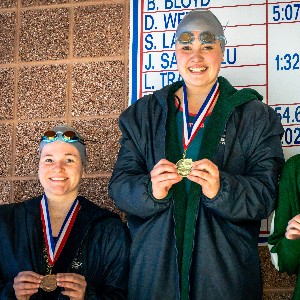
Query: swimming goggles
(67, 136)
(204, 37)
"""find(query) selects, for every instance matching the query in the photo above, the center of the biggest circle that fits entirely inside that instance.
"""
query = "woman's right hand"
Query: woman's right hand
(293, 229)
(163, 176)
(26, 284)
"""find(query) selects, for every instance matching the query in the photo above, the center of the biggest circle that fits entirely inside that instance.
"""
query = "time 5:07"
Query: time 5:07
(287, 62)
(286, 12)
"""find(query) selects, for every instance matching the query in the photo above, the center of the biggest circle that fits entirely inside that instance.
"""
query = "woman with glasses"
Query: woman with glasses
(60, 245)
(196, 173)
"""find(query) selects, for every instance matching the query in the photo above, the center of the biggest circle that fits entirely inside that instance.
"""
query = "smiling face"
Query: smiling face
(199, 64)
(60, 170)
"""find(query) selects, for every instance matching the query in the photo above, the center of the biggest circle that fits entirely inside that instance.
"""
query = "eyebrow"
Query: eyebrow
(66, 154)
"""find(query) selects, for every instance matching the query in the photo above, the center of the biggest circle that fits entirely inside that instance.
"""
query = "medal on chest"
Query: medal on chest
(48, 282)
(184, 165)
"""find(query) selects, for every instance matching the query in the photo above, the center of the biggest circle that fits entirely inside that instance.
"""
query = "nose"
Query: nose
(198, 55)
(58, 166)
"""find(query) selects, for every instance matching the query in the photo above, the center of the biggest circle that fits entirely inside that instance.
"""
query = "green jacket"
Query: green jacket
(285, 253)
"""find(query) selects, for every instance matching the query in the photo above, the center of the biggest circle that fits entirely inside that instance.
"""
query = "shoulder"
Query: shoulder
(16, 210)
(146, 101)
(293, 161)
(237, 96)
(135, 115)
(110, 228)
(291, 168)
(256, 110)
(99, 216)
(257, 106)
(247, 102)
(10, 214)
(257, 122)
(11, 208)
(7, 209)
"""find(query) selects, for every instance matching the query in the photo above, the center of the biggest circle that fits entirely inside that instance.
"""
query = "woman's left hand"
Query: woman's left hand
(206, 173)
(74, 285)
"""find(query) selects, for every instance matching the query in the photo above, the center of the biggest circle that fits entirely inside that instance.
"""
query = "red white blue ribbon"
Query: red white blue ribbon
(54, 249)
(188, 135)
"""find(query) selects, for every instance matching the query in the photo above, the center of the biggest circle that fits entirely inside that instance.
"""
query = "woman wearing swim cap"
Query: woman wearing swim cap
(196, 173)
(60, 245)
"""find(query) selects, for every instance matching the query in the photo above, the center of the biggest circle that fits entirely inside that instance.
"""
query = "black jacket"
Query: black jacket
(97, 248)
(220, 236)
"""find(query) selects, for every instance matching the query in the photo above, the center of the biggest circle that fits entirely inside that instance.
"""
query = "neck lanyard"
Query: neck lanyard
(54, 249)
(184, 165)
(188, 135)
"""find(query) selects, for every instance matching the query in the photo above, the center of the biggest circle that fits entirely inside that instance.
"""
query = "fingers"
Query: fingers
(74, 285)
(206, 173)
(26, 283)
(163, 176)
(293, 228)
(162, 167)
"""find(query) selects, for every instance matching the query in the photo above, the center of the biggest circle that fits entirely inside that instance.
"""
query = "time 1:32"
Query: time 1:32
(287, 62)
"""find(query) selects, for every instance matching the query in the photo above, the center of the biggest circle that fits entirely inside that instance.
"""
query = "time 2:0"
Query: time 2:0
(287, 62)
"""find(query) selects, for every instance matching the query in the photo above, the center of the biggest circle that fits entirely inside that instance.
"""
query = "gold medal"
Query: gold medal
(48, 283)
(184, 166)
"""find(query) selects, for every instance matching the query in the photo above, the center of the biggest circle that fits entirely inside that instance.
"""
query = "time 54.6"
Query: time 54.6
(287, 62)
(289, 113)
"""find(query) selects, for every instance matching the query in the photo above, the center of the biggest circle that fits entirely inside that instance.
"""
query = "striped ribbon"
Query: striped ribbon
(54, 249)
(188, 135)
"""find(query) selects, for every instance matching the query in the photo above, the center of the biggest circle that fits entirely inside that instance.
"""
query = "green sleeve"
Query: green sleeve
(285, 253)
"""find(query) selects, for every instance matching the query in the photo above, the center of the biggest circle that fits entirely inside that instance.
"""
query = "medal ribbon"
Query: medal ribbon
(188, 136)
(53, 249)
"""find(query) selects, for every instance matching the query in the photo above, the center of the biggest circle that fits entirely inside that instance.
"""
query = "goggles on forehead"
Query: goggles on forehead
(67, 136)
(204, 37)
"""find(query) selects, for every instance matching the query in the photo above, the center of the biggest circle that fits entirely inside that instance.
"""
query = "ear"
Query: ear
(83, 174)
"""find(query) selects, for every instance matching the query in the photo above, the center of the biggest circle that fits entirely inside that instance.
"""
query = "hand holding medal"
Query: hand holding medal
(206, 173)
(26, 284)
(163, 176)
(74, 285)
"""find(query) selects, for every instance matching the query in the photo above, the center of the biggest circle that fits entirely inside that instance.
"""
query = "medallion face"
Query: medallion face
(184, 166)
(48, 283)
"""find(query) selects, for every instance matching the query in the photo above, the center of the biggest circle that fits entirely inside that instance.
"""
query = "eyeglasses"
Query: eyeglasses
(68, 136)
(204, 37)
